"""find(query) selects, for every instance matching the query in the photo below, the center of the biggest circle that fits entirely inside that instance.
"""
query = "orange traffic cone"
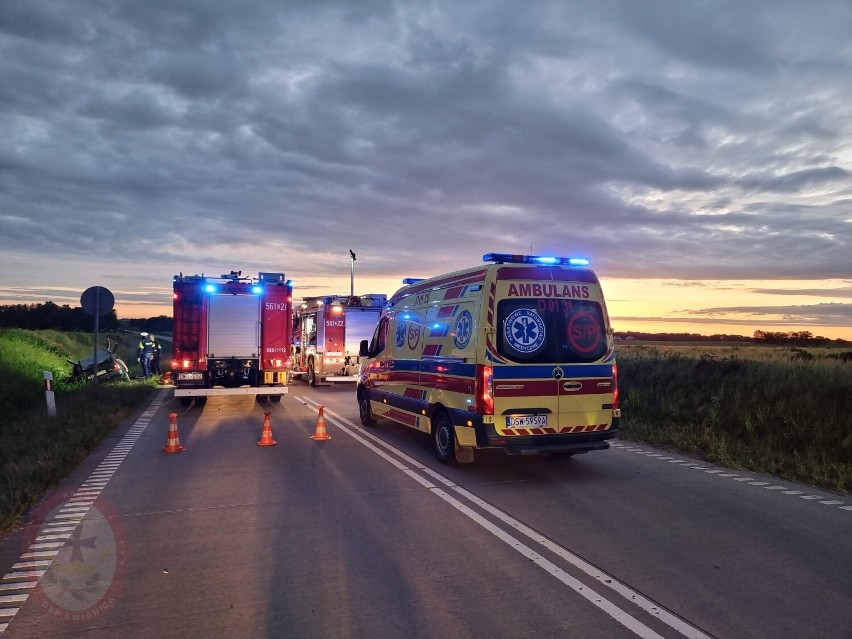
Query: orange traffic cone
(320, 434)
(172, 439)
(266, 435)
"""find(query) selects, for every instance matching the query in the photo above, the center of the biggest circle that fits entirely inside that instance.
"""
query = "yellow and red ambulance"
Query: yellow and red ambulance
(515, 354)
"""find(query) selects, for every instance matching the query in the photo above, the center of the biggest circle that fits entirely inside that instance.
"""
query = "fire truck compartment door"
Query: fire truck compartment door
(233, 326)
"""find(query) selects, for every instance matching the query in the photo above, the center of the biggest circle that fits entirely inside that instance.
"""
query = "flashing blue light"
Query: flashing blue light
(509, 258)
(412, 280)
(257, 290)
(210, 288)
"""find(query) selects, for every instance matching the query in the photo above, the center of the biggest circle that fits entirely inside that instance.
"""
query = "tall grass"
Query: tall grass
(36, 451)
(782, 411)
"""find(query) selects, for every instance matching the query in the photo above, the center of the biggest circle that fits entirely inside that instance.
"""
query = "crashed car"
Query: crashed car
(109, 368)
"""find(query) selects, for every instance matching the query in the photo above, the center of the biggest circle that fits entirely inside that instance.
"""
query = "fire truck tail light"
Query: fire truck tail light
(484, 389)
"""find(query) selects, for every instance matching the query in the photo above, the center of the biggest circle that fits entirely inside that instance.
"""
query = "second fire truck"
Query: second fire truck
(327, 332)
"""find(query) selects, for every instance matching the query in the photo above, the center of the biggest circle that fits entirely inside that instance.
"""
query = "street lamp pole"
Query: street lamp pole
(352, 274)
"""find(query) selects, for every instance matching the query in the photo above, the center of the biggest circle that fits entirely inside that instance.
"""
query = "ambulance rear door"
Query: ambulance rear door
(551, 337)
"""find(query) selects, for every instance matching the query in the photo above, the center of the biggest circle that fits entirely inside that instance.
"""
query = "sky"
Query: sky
(698, 153)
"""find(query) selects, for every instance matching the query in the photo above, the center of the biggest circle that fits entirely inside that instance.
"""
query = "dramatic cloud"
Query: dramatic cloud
(663, 139)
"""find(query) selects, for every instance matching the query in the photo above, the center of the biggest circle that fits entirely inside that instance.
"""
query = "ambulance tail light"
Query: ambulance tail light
(615, 405)
(484, 390)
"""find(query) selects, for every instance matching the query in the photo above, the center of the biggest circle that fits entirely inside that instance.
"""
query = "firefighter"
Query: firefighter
(145, 354)
(155, 362)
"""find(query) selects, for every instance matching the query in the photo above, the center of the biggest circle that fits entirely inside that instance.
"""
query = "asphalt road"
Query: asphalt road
(366, 535)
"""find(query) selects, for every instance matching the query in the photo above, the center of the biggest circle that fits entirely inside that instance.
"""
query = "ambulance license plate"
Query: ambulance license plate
(526, 421)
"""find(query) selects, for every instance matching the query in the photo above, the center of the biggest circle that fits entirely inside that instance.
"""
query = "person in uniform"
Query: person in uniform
(145, 354)
(155, 362)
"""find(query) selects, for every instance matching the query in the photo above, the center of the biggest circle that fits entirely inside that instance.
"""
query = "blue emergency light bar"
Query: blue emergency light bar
(508, 258)
(412, 280)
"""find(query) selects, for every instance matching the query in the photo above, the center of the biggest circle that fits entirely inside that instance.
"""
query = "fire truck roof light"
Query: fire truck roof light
(257, 290)
(501, 258)
(412, 280)
(210, 288)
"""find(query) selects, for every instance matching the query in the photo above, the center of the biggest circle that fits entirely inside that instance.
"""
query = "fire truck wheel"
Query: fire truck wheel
(275, 399)
(200, 401)
(261, 398)
(364, 411)
(312, 376)
(185, 401)
(443, 438)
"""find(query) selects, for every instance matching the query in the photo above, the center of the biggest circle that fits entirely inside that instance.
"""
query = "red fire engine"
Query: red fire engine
(327, 332)
(231, 336)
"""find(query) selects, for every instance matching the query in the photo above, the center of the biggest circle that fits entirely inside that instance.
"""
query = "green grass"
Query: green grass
(36, 451)
(784, 411)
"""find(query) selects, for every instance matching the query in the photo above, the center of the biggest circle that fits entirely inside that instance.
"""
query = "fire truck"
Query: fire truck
(327, 332)
(231, 336)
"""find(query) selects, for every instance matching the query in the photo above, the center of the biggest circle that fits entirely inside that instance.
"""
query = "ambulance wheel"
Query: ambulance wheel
(364, 410)
(443, 438)
(275, 399)
(312, 376)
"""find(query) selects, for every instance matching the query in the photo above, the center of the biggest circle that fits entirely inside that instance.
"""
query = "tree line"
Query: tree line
(791, 338)
(65, 318)
(53, 316)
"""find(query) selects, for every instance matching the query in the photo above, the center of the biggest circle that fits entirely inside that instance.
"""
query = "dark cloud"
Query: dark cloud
(829, 314)
(702, 141)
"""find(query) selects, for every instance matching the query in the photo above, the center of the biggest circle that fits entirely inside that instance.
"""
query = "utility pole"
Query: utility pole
(352, 274)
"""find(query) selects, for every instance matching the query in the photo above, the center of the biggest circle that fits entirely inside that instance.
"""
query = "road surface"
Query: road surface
(367, 535)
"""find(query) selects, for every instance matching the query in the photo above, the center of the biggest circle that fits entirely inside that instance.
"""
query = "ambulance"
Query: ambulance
(516, 354)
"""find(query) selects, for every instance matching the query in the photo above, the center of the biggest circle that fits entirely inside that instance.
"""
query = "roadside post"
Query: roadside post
(48, 394)
(97, 301)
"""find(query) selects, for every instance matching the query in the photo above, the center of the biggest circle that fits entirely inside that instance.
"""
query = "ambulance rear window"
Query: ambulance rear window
(546, 330)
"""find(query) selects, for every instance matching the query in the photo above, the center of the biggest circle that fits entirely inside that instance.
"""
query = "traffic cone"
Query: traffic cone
(172, 439)
(320, 434)
(266, 436)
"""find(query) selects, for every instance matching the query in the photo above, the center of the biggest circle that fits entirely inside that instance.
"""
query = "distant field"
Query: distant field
(780, 410)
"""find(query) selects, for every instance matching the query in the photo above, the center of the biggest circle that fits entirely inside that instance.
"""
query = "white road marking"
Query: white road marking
(721, 472)
(598, 600)
(67, 518)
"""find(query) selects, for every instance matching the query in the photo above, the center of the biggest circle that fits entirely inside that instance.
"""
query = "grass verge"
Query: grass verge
(37, 451)
(787, 412)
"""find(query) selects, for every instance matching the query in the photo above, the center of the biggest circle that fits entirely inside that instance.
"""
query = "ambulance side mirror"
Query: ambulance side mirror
(365, 348)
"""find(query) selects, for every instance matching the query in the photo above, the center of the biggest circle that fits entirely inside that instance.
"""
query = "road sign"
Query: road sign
(97, 301)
